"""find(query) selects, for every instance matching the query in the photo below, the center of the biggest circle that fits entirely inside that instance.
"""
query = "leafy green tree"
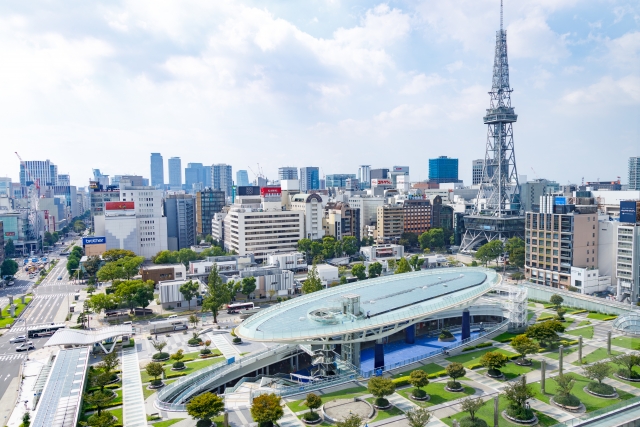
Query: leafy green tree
(72, 265)
(186, 255)
(517, 393)
(375, 269)
(131, 265)
(205, 406)
(415, 262)
(410, 238)
(472, 406)
(92, 265)
(564, 386)
(26, 420)
(418, 417)
(598, 371)
(165, 257)
(353, 420)
(524, 345)
(516, 250)
(359, 271)
(9, 248)
(494, 360)
(155, 370)
(99, 399)
(144, 293)
(455, 370)
(489, 251)
(213, 251)
(425, 240)
(218, 294)
(437, 237)
(419, 379)
(189, 291)
(392, 265)
(556, 300)
(350, 245)
(9, 267)
(109, 272)
(546, 333)
(313, 401)
(381, 387)
(248, 285)
(100, 302)
(115, 254)
(403, 266)
(304, 245)
(313, 282)
(105, 419)
(343, 280)
(266, 409)
(628, 361)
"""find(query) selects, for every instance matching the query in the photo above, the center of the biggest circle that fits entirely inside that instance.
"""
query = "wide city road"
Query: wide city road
(50, 305)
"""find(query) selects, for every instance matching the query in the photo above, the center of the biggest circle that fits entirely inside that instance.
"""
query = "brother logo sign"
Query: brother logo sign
(93, 240)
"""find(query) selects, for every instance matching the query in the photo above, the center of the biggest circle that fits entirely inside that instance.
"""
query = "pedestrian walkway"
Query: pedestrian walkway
(12, 356)
(133, 408)
(405, 405)
(226, 348)
(550, 410)
(622, 386)
(289, 419)
(573, 357)
(484, 380)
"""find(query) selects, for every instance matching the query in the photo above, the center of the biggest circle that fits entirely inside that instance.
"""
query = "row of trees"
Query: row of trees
(328, 247)
(128, 293)
(184, 256)
(9, 267)
(494, 249)
(73, 260)
(120, 264)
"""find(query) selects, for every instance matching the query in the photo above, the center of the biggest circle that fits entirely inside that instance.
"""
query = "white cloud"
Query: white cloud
(420, 83)
(607, 92)
(624, 51)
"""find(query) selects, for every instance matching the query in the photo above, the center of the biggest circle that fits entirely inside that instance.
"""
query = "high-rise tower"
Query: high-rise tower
(497, 213)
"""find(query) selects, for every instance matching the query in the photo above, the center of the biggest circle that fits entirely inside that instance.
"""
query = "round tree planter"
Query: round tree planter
(179, 369)
(194, 345)
(633, 380)
(236, 343)
(525, 363)
(495, 377)
(421, 399)
(114, 380)
(160, 360)
(311, 423)
(154, 387)
(454, 390)
(575, 409)
(603, 396)
(530, 422)
(383, 408)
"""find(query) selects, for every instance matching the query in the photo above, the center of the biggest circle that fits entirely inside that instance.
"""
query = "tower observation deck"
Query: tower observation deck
(497, 213)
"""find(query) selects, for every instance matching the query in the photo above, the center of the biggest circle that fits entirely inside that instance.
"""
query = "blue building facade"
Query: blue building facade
(443, 169)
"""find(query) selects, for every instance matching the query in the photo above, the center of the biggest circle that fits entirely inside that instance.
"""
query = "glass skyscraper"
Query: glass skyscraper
(157, 170)
(242, 178)
(175, 173)
(443, 169)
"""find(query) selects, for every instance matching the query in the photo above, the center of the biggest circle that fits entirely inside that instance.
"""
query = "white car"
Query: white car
(26, 346)
(19, 338)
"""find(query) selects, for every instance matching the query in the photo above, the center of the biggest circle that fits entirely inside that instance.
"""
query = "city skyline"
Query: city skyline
(357, 92)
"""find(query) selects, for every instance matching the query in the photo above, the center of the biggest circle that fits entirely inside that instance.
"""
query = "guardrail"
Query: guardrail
(606, 412)
(372, 372)
(172, 395)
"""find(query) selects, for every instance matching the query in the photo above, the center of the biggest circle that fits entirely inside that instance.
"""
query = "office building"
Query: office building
(396, 172)
(217, 227)
(257, 225)
(98, 196)
(634, 173)
(287, 172)
(627, 252)
(477, 167)
(270, 281)
(443, 169)
(128, 180)
(180, 210)
(364, 176)
(157, 170)
(340, 220)
(242, 178)
(390, 225)
(601, 186)
(339, 179)
(100, 178)
(309, 179)
(44, 172)
(222, 179)
(378, 174)
(170, 295)
(175, 173)
(417, 215)
(561, 236)
(530, 193)
(5, 187)
(64, 180)
(208, 202)
(197, 177)
(368, 210)
(313, 207)
(293, 261)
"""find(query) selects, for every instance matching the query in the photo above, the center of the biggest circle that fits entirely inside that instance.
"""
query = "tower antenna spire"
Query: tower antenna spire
(501, 15)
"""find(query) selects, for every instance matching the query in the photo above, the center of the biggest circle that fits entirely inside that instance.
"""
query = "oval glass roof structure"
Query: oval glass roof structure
(629, 323)
(383, 301)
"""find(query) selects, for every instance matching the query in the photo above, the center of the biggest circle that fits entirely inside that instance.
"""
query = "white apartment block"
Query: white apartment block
(313, 207)
(260, 227)
(291, 261)
(368, 211)
(627, 258)
(151, 224)
(217, 226)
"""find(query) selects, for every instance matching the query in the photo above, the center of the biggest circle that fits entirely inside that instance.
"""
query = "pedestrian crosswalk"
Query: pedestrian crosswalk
(7, 357)
(56, 295)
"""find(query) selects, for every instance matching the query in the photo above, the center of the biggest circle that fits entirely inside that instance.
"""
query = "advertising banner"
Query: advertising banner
(248, 191)
(270, 191)
(119, 206)
(93, 240)
(630, 211)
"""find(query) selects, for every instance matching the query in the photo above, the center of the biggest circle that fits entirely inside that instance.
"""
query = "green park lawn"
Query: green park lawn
(567, 322)
(615, 368)
(437, 392)
(596, 356)
(584, 323)
(545, 316)
(429, 368)
(382, 414)
(591, 402)
(486, 413)
(298, 405)
(473, 357)
(5, 317)
(190, 368)
(586, 332)
(167, 423)
(504, 337)
(626, 342)
(565, 351)
(531, 304)
(598, 316)
(530, 314)
(511, 370)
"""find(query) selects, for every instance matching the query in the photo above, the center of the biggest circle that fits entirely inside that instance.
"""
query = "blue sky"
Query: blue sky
(327, 83)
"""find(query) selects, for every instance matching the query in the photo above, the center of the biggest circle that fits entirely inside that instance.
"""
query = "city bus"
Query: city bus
(167, 326)
(44, 330)
(235, 308)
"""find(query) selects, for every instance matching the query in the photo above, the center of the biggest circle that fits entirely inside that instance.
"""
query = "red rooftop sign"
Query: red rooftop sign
(119, 206)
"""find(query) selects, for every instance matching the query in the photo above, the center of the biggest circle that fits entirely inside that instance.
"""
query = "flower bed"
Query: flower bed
(454, 386)
(598, 393)
(573, 404)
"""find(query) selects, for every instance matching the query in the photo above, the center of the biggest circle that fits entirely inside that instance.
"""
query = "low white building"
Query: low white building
(217, 226)
(294, 261)
(328, 274)
(226, 264)
(589, 281)
(382, 252)
(269, 281)
(313, 207)
(171, 297)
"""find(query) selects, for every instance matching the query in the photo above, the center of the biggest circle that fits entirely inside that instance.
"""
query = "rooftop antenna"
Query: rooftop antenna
(501, 15)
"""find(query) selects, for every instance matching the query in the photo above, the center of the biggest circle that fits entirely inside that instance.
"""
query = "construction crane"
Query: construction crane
(534, 172)
(258, 175)
(32, 200)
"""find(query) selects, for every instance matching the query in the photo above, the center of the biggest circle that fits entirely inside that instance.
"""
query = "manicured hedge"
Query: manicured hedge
(402, 381)
(482, 345)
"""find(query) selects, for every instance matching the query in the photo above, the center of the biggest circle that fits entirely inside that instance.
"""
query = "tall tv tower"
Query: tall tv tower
(497, 213)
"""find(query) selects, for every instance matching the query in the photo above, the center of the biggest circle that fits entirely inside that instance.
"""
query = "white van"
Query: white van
(173, 316)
